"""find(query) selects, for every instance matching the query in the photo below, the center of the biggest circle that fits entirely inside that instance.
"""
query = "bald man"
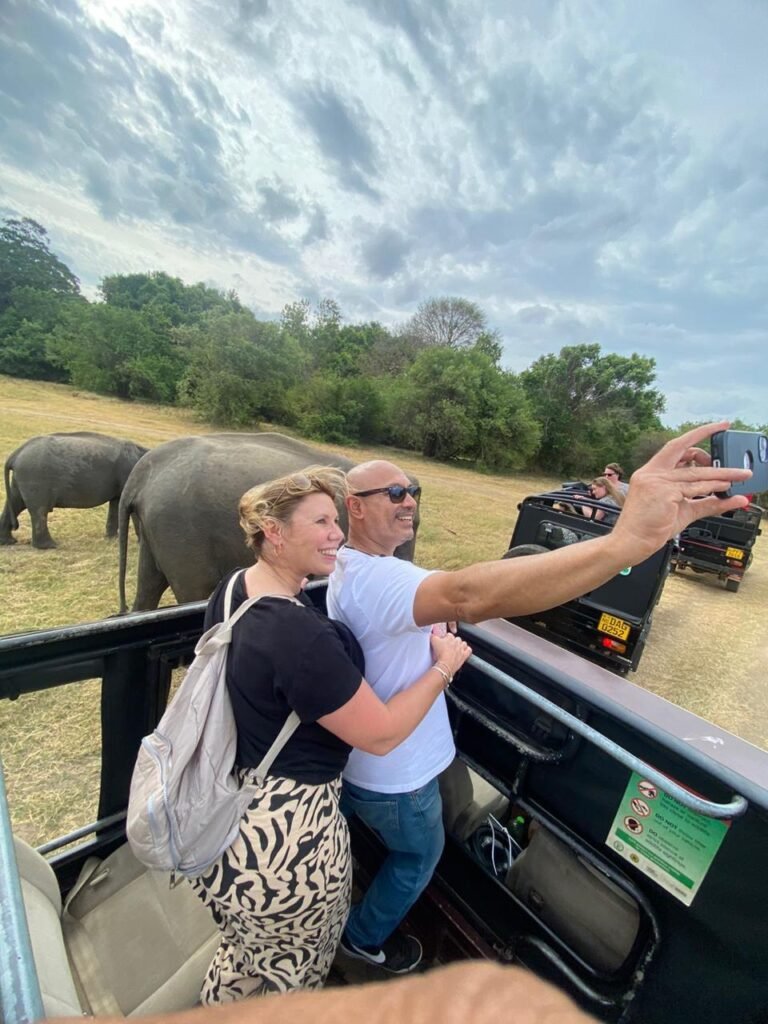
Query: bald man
(391, 606)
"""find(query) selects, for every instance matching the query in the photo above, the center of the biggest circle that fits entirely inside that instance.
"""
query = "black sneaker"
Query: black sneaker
(398, 955)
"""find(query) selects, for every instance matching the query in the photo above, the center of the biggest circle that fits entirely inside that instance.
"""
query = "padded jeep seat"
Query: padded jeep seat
(467, 800)
(592, 914)
(126, 942)
(42, 902)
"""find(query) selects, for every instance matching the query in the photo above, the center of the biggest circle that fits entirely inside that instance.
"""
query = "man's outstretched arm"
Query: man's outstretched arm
(466, 993)
(668, 493)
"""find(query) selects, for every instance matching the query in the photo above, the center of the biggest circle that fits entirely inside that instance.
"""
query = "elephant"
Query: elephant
(185, 494)
(67, 470)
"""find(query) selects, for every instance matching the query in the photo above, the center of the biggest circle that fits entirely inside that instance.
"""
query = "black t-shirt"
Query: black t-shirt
(287, 658)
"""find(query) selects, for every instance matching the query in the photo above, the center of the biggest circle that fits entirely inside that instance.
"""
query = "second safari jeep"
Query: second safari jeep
(609, 624)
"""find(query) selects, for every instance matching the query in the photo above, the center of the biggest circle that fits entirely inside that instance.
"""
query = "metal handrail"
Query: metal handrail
(709, 808)
(531, 753)
(80, 833)
(20, 999)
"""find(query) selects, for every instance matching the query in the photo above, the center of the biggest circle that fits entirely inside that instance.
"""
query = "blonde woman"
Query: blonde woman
(280, 894)
(603, 490)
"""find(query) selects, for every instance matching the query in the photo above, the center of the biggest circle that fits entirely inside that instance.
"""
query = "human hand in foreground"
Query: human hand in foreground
(467, 993)
(449, 651)
(673, 489)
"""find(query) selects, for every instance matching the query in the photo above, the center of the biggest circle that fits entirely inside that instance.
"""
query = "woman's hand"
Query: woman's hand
(369, 724)
(450, 651)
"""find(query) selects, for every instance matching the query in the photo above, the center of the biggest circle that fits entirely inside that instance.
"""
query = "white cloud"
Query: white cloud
(585, 171)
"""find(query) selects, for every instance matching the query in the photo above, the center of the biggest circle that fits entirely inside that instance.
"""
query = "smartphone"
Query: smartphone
(743, 449)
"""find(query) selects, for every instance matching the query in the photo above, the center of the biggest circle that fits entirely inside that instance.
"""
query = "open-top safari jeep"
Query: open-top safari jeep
(720, 544)
(596, 834)
(611, 623)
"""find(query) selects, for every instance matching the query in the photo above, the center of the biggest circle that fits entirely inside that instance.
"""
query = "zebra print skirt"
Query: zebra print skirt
(280, 894)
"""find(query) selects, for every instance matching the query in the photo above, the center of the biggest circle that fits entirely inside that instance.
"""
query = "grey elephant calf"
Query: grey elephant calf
(76, 470)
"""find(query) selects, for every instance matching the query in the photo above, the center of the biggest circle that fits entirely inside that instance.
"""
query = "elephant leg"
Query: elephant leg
(6, 537)
(111, 530)
(151, 583)
(14, 506)
(41, 538)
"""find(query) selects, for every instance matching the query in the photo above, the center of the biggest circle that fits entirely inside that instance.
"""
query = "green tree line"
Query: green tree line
(435, 385)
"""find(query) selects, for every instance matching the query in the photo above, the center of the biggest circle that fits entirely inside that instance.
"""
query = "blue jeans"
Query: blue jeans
(411, 826)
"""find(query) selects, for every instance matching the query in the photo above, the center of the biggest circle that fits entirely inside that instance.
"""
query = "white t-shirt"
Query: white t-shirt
(374, 596)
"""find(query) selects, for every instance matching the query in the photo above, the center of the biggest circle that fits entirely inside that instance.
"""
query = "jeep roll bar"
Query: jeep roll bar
(709, 808)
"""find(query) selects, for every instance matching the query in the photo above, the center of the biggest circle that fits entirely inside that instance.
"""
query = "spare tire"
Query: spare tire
(525, 549)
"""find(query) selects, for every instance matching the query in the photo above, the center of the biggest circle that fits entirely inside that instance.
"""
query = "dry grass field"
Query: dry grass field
(707, 649)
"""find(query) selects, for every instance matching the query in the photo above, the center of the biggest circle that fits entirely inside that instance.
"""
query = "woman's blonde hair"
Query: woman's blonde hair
(279, 498)
(613, 491)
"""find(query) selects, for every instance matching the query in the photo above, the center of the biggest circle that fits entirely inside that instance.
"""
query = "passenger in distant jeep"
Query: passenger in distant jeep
(615, 474)
(601, 489)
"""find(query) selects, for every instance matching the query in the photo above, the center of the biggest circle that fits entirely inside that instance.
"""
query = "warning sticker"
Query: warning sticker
(666, 841)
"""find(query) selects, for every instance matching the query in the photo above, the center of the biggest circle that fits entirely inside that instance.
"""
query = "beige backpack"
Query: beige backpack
(185, 802)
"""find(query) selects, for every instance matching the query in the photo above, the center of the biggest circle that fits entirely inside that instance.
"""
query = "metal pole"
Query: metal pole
(735, 807)
(20, 999)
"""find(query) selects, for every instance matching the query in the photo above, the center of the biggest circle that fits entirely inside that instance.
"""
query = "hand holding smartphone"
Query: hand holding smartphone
(742, 449)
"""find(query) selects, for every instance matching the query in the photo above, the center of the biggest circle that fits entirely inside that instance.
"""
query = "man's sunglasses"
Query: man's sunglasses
(396, 492)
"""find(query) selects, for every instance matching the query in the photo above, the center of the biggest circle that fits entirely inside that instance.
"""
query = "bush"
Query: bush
(239, 369)
(340, 410)
(461, 405)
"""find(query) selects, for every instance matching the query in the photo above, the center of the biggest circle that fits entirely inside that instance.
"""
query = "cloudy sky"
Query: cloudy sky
(585, 171)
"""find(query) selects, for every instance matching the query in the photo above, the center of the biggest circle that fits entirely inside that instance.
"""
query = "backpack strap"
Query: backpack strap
(230, 620)
(229, 591)
(293, 721)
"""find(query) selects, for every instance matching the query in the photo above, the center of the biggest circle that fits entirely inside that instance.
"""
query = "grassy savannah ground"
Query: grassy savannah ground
(706, 650)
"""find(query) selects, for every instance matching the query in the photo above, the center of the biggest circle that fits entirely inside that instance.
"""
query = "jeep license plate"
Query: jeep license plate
(613, 626)
(734, 553)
